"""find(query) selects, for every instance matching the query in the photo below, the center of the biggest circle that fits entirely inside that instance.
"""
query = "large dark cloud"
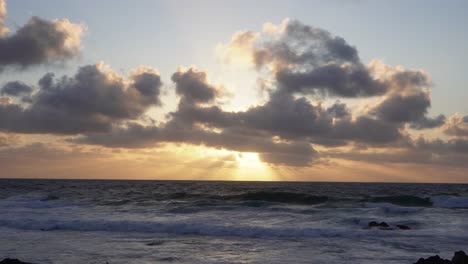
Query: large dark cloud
(92, 100)
(240, 131)
(281, 130)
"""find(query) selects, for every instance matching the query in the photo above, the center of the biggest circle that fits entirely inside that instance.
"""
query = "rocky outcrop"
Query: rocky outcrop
(403, 227)
(385, 226)
(13, 261)
(458, 258)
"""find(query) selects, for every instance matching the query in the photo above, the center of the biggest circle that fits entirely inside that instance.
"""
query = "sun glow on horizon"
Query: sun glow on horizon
(251, 168)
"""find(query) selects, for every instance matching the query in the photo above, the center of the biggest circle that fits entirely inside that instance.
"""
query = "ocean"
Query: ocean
(101, 221)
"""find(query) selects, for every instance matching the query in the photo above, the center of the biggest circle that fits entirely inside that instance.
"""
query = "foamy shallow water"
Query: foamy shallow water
(222, 222)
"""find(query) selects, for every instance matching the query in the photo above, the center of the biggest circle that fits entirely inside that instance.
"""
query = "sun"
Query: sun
(246, 159)
(251, 168)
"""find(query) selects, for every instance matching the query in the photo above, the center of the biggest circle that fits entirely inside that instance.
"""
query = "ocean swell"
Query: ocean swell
(450, 201)
(403, 200)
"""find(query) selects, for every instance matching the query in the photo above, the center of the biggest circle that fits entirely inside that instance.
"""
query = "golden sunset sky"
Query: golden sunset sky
(297, 91)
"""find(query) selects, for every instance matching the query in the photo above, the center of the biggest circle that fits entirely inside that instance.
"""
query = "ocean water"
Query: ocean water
(85, 221)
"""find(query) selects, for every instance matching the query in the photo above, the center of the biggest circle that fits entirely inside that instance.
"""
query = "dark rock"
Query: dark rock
(403, 227)
(381, 225)
(433, 260)
(460, 258)
(13, 261)
(155, 243)
(168, 259)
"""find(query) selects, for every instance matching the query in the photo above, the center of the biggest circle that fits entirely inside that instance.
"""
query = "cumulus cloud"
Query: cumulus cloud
(38, 41)
(193, 86)
(293, 44)
(92, 100)
(457, 125)
(306, 59)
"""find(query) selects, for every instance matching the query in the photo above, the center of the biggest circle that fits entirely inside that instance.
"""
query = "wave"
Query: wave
(282, 197)
(403, 200)
(391, 208)
(186, 228)
(402, 203)
(34, 202)
(450, 201)
(248, 199)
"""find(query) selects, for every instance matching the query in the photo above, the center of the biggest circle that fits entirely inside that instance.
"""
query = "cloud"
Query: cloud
(398, 108)
(331, 80)
(452, 153)
(456, 125)
(137, 136)
(3, 28)
(367, 130)
(296, 126)
(16, 88)
(281, 130)
(92, 100)
(296, 119)
(307, 60)
(287, 117)
(147, 81)
(38, 41)
(292, 119)
(193, 86)
(293, 44)
(9, 139)
(440, 146)
(339, 110)
(428, 122)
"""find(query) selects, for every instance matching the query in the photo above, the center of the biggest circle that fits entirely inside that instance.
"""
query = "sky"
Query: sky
(234, 90)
